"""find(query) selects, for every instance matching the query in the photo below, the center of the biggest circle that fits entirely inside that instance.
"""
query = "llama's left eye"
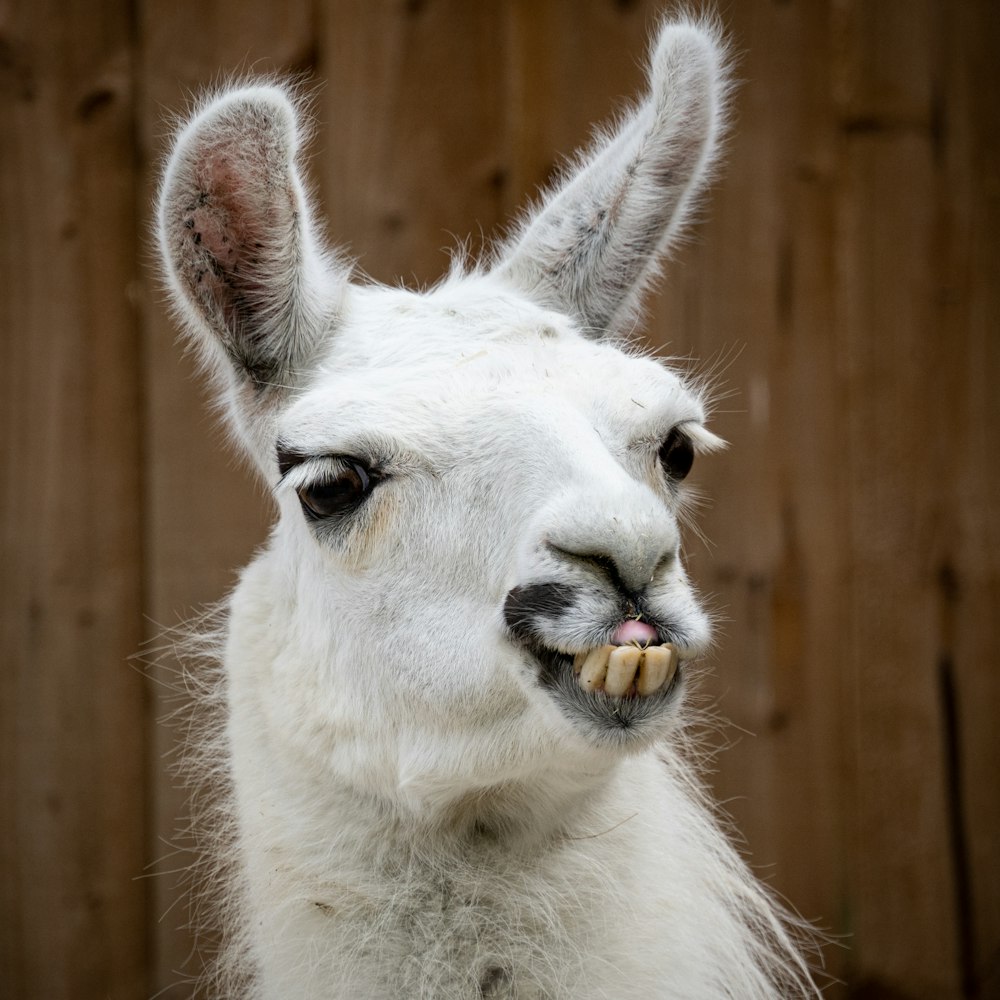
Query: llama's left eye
(677, 455)
(338, 494)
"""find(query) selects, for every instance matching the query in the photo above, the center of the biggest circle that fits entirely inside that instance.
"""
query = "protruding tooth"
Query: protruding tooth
(595, 668)
(622, 665)
(674, 661)
(658, 667)
(579, 660)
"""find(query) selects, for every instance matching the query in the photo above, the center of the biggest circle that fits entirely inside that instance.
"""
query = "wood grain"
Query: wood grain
(73, 720)
(430, 110)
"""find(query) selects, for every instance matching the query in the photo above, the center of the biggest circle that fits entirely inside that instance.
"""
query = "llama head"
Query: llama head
(477, 485)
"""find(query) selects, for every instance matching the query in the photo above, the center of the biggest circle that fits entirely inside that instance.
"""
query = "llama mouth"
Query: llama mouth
(627, 671)
(612, 687)
(625, 683)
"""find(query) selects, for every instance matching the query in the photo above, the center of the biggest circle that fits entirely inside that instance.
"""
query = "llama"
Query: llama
(455, 733)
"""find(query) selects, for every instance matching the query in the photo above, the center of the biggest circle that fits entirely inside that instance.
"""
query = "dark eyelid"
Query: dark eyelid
(289, 459)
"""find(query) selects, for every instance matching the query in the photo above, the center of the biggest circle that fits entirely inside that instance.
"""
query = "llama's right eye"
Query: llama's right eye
(338, 494)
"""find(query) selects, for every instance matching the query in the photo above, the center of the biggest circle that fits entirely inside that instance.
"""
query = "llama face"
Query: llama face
(479, 492)
(482, 494)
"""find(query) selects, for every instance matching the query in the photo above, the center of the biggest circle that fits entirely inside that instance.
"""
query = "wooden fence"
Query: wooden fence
(844, 285)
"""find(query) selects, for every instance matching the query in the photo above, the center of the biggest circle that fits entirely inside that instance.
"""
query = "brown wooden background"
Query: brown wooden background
(846, 280)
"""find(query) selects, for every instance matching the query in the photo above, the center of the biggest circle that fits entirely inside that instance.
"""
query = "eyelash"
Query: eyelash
(335, 491)
(339, 495)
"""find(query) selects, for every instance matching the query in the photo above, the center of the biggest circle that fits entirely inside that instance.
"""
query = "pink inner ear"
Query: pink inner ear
(223, 221)
(212, 235)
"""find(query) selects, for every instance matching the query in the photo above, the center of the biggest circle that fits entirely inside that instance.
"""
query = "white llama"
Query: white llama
(454, 676)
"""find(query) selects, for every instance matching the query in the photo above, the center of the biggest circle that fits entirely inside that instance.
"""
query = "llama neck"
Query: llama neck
(281, 801)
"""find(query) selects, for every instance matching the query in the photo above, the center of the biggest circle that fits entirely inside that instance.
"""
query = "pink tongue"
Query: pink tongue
(632, 631)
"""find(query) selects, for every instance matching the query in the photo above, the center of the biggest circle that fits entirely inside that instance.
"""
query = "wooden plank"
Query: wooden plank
(968, 316)
(898, 781)
(570, 68)
(73, 713)
(409, 155)
(892, 266)
(205, 512)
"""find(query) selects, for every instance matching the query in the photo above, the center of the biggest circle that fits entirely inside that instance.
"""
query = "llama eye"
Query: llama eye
(337, 495)
(677, 455)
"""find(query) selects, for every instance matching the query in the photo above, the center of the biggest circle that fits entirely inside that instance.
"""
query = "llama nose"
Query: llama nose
(631, 550)
(629, 572)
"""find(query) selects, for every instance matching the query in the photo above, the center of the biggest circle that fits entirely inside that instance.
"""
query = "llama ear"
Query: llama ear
(597, 239)
(244, 268)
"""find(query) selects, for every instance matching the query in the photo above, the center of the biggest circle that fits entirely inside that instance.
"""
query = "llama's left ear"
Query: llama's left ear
(246, 272)
(597, 239)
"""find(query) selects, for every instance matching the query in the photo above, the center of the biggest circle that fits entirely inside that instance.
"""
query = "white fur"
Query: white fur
(414, 813)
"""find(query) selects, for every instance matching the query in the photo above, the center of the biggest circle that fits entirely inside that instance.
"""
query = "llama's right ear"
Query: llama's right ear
(245, 271)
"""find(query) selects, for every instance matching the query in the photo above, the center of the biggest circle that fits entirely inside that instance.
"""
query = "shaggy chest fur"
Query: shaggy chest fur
(461, 933)
(598, 908)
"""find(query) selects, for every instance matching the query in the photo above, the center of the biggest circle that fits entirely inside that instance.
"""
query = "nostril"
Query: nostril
(595, 560)
(631, 573)
(666, 561)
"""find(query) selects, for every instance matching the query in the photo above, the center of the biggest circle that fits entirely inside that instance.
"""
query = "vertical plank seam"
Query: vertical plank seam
(957, 830)
(141, 226)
